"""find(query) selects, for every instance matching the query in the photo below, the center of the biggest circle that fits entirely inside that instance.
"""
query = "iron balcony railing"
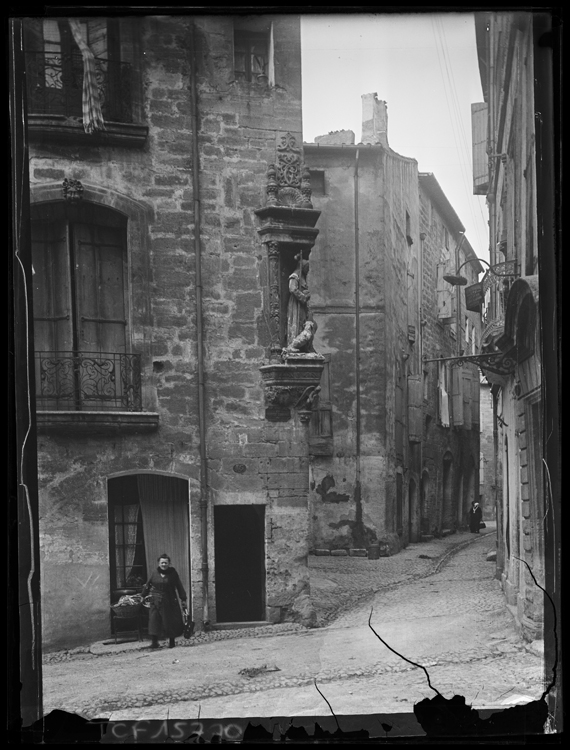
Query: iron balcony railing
(88, 381)
(55, 86)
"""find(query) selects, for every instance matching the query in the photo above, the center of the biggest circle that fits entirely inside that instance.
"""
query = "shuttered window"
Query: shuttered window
(80, 310)
(415, 405)
(467, 400)
(445, 296)
(443, 394)
(475, 401)
(79, 300)
(457, 395)
(479, 146)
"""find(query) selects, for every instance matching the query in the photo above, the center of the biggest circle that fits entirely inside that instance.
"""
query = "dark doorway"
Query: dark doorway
(448, 515)
(240, 562)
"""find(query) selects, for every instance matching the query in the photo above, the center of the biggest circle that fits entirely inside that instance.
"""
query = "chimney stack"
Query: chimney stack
(374, 120)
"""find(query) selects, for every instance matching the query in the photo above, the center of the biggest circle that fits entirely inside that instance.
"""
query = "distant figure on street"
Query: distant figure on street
(165, 617)
(475, 516)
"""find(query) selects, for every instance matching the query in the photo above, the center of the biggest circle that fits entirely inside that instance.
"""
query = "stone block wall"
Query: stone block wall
(239, 126)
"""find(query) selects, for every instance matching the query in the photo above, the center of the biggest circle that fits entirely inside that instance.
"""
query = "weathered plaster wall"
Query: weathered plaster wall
(487, 463)
(353, 494)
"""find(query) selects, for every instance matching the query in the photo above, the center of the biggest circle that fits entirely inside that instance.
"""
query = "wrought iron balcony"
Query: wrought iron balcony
(55, 85)
(88, 381)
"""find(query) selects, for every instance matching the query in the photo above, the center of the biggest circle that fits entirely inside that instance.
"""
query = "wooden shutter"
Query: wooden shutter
(476, 401)
(443, 401)
(444, 295)
(467, 399)
(99, 274)
(51, 283)
(457, 395)
(479, 145)
(415, 403)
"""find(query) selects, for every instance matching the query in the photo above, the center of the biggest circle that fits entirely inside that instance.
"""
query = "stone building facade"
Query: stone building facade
(511, 167)
(388, 466)
(450, 331)
(153, 317)
(487, 465)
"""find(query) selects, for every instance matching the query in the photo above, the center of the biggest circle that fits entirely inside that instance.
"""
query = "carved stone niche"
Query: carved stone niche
(288, 232)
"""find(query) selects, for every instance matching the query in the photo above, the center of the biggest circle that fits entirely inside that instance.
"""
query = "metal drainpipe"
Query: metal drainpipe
(421, 371)
(357, 318)
(492, 146)
(199, 328)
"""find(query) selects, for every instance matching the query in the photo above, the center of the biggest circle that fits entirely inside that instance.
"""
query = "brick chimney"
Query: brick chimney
(374, 120)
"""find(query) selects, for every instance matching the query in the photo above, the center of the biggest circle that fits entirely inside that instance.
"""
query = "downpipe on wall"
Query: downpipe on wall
(357, 484)
(199, 326)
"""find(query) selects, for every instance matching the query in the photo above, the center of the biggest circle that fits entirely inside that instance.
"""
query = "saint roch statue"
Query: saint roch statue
(298, 311)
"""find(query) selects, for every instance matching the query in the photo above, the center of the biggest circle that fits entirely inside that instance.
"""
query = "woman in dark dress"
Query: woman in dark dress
(165, 617)
(475, 516)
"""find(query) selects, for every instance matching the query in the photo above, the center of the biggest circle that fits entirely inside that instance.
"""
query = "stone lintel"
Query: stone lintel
(62, 128)
(96, 422)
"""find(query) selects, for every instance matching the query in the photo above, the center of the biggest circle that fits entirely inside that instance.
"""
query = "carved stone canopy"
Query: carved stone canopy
(288, 180)
(287, 229)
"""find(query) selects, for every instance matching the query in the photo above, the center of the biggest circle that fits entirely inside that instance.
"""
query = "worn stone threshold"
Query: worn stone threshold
(238, 625)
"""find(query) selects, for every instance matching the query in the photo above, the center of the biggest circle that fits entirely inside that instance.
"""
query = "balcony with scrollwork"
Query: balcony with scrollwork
(55, 93)
(93, 390)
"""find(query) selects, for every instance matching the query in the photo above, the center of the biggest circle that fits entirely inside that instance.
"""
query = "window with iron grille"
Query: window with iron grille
(55, 68)
(80, 324)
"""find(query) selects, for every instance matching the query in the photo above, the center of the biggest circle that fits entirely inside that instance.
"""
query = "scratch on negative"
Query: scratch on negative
(554, 628)
(328, 704)
(28, 505)
(413, 663)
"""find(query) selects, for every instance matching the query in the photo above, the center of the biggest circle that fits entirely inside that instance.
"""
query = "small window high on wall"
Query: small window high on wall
(253, 51)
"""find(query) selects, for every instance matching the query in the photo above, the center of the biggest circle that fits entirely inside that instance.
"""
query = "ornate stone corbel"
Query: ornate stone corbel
(308, 401)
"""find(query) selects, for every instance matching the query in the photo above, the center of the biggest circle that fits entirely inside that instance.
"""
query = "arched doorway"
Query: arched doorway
(148, 516)
(448, 511)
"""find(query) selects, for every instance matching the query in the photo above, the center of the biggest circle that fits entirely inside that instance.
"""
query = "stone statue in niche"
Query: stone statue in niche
(298, 310)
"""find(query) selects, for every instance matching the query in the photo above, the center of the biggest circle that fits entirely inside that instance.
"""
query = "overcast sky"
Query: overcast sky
(424, 66)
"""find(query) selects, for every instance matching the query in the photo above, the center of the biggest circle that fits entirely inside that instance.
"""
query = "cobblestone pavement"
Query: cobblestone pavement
(340, 583)
(447, 614)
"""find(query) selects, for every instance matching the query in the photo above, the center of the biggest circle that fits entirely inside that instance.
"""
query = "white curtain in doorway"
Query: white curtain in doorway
(125, 547)
(164, 506)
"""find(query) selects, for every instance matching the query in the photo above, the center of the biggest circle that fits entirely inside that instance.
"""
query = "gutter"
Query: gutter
(199, 329)
(357, 483)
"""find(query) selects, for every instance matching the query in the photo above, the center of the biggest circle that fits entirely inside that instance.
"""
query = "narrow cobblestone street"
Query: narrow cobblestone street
(443, 610)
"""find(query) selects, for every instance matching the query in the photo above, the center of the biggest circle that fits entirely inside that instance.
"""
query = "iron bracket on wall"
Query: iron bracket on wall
(494, 362)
